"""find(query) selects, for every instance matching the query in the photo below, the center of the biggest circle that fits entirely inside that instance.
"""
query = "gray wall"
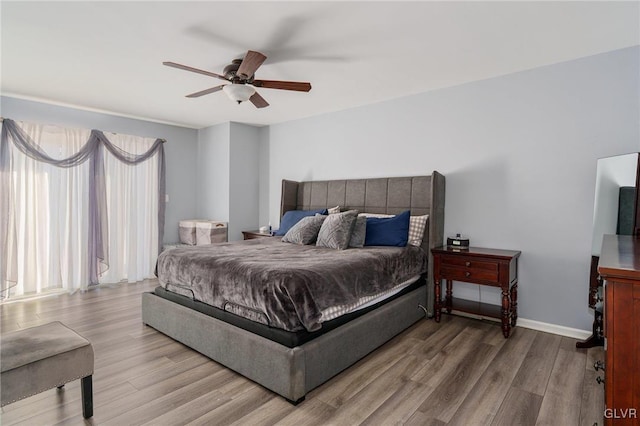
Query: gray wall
(228, 174)
(243, 180)
(519, 154)
(180, 149)
(213, 173)
(264, 174)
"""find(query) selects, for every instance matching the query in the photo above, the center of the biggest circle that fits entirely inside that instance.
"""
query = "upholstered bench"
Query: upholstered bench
(36, 359)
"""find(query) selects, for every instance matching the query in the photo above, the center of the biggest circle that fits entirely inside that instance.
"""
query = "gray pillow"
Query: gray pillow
(359, 232)
(336, 230)
(305, 231)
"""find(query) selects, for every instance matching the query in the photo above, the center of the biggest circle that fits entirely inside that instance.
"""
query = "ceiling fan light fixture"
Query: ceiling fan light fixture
(239, 92)
(241, 74)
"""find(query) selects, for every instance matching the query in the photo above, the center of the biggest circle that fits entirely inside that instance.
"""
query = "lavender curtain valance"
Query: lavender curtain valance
(93, 150)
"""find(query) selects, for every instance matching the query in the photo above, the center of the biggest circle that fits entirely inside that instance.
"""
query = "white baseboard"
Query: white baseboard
(574, 333)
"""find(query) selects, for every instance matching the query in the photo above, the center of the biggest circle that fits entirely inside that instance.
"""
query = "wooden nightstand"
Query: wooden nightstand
(483, 266)
(250, 235)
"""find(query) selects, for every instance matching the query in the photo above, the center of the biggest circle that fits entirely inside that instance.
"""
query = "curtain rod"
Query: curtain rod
(161, 139)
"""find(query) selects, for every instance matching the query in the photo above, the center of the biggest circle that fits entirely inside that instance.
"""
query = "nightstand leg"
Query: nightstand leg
(448, 299)
(438, 302)
(514, 304)
(506, 327)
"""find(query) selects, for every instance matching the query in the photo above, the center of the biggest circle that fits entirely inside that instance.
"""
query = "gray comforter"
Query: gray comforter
(285, 285)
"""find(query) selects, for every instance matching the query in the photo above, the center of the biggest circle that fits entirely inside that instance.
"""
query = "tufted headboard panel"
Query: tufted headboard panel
(393, 195)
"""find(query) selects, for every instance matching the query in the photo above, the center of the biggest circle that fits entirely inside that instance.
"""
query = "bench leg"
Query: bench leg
(86, 387)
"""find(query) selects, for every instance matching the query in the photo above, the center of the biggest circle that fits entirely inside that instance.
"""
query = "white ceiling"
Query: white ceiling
(108, 56)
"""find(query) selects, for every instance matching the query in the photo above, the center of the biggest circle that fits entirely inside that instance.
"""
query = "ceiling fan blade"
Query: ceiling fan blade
(187, 68)
(206, 91)
(258, 101)
(250, 64)
(298, 86)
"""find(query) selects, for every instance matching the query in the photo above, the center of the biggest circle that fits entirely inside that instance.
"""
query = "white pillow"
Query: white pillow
(334, 210)
(417, 224)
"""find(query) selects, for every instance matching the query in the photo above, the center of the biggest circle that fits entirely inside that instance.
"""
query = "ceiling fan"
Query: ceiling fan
(241, 74)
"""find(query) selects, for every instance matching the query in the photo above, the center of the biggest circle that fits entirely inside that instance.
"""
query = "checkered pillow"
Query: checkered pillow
(416, 229)
(417, 224)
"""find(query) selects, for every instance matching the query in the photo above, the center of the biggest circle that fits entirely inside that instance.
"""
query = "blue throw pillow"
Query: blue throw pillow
(388, 231)
(292, 217)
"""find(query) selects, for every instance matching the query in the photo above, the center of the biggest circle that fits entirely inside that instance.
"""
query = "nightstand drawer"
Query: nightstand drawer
(458, 273)
(250, 235)
(469, 262)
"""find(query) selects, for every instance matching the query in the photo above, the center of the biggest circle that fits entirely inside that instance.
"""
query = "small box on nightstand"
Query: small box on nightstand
(458, 242)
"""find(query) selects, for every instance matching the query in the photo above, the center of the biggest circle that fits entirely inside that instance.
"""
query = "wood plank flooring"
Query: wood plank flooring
(458, 372)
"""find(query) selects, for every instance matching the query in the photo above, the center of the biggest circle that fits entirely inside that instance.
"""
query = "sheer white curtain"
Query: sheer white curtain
(50, 211)
(132, 201)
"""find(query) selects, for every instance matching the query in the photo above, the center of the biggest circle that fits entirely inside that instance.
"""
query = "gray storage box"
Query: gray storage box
(199, 232)
(187, 232)
(211, 232)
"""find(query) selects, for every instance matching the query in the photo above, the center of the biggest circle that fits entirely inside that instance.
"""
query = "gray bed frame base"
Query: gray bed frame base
(292, 372)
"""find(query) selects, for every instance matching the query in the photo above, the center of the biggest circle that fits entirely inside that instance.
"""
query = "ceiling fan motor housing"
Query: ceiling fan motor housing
(230, 72)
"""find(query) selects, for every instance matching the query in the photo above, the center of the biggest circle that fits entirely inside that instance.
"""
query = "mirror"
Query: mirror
(615, 200)
(615, 212)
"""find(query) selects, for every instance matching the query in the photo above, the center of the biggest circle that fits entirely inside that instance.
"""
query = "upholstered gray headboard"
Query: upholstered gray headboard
(420, 194)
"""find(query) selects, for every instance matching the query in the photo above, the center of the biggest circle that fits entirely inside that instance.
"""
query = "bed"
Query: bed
(294, 367)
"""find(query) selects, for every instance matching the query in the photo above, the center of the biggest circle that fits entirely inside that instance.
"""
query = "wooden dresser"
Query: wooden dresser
(619, 267)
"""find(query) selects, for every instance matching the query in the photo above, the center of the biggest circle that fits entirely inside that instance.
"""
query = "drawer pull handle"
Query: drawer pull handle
(467, 274)
(600, 380)
(467, 263)
(598, 365)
